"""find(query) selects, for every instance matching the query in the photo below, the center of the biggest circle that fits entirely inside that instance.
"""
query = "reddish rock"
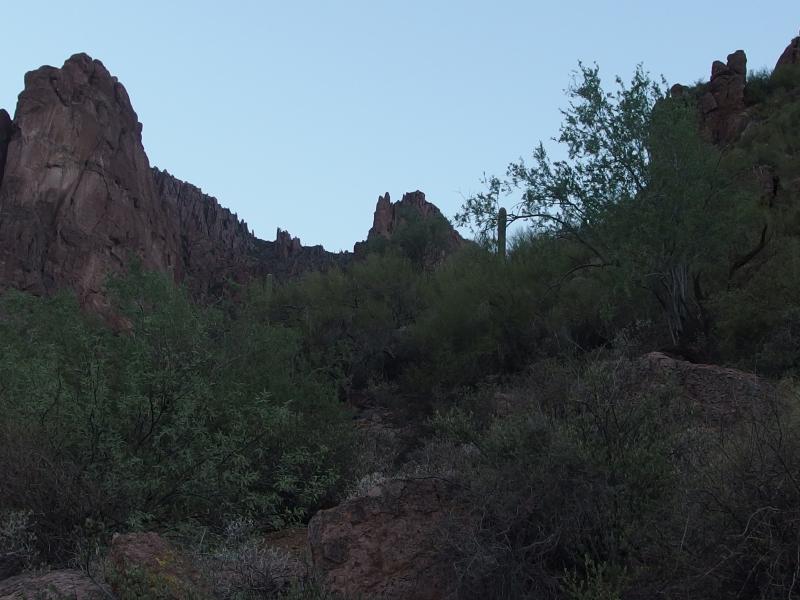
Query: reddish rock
(383, 221)
(386, 544)
(286, 245)
(77, 198)
(390, 217)
(677, 91)
(721, 395)
(722, 107)
(53, 585)
(790, 56)
(158, 564)
(215, 245)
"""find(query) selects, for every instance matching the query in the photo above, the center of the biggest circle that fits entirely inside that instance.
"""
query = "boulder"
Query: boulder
(386, 544)
(52, 585)
(721, 395)
(148, 561)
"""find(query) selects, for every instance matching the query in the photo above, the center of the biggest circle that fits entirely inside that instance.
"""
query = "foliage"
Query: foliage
(589, 476)
(581, 480)
(17, 539)
(597, 484)
(169, 418)
(244, 567)
(641, 193)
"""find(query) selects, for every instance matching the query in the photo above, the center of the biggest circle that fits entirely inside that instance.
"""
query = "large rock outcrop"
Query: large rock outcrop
(386, 544)
(215, 245)
(790, 56)
(218, 248)
(723, 105)
(391, 216)
(77, 200)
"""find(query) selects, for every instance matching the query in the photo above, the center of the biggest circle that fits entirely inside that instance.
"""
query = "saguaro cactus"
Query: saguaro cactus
(502, 217)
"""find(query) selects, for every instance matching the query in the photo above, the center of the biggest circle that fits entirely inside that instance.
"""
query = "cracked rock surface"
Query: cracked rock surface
(78, 198)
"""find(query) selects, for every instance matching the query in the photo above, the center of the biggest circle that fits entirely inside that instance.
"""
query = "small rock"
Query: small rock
(720, 394)
(54, 585)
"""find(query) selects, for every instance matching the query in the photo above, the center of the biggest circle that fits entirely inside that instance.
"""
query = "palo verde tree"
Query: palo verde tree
(641, 194)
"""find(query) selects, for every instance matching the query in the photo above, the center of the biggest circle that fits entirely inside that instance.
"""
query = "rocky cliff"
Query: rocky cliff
(391, 216)
(77, 199)
(723, 102)
(399, 222)
(215, 246)
(723, 106)
(790, 56)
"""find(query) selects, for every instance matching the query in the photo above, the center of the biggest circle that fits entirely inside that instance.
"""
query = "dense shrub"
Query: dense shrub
(594, 484)
(175, 416)
(569, 494)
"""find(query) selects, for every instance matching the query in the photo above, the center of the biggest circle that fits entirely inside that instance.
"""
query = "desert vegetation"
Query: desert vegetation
(219, 422)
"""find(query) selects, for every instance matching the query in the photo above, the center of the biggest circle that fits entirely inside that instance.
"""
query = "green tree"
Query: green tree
(641, 194)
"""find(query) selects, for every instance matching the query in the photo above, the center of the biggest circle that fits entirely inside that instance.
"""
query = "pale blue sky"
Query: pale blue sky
(298, 114)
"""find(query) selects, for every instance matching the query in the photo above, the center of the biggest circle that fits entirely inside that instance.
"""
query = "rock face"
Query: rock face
(723, 105)
(53, 585)
(390, 216)
(215, 245)
(790, 56)
(77, 198)
(6, 129)
(720, 394)
(287, 245)
(385, 544)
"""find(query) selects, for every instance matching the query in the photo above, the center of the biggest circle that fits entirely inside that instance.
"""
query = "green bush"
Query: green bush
(180, 414)
(571, 496)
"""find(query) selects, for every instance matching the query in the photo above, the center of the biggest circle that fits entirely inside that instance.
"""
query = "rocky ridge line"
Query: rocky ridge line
(79, 200)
